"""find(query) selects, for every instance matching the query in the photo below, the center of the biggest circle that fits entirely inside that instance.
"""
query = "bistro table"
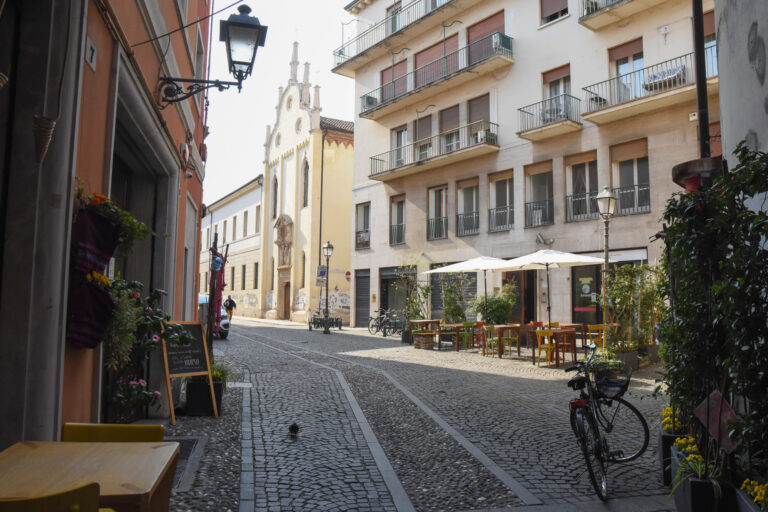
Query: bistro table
(454, 329)
(500, 330)
(559, 333)
(580, 329)
(131, 476)
(426, 327)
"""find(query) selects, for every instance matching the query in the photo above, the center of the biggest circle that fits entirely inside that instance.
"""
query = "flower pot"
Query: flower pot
(199, 398)
(424, 341)
(663, 453)
(405, 337)
(629, 359)
(652, 351)
(744, 502)
(674, 463)
(94, 240)
(696, 495)
(89, 311)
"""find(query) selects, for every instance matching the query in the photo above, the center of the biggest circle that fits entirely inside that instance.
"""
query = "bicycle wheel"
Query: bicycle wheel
(591, 448)
(373, 327)
(625, 429)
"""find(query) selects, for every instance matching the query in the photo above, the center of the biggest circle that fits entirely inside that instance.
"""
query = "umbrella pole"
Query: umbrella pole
(485, 285)
(549, 301)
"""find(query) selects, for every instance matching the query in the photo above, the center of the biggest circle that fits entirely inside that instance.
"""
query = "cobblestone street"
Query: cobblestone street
(383, 426)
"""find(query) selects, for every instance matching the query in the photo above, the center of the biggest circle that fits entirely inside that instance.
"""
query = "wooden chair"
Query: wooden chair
(491, 340)
(80, 499)
(468, 334)
(511, 336)
(568, 342)
(594, 336)
(109, 433)
(553, 325)
(545, 340)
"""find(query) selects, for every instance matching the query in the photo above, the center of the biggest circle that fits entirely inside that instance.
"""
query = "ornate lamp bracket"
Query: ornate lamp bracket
(172, 92)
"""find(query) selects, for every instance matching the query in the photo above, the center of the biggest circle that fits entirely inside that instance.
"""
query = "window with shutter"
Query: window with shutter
(394, 81)
(424, 136)
(449, 129)
(553, 9)
(480, 45)
(437, 61)
(479, 117)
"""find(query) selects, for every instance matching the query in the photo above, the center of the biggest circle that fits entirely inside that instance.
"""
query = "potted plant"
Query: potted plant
(199, 392)
(696, 486)
(752, 496)
(670, 431)
(416, 298)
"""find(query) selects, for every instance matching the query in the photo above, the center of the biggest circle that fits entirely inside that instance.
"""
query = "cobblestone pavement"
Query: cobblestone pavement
(461, 431)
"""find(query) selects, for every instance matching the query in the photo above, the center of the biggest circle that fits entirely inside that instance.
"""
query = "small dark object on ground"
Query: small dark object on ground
(293, 430)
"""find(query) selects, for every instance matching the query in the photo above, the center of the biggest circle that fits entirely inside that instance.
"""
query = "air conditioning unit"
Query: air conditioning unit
(370, 101)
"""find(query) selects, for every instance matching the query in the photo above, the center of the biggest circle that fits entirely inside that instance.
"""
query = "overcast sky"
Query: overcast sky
(237, 121)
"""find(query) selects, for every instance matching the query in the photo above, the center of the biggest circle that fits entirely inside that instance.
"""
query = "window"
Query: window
(449, 129)
(429, 64)
(242, 278)
(245, 223)
(500, 215)
(232, 280)
(257, 220)
(399, 146)
(182, 5)
(274, 198)
(255, 276)
(224, 233)
(207, 237)
(393, 81)
(424, 136)
(395, 16)
(627, 64)
(468, 218)
(479, 120)
(631, 171)
(437, 220)
(272, 273)
(362, 223)
(481, 46)
(397, 220)
(556, 83)
(199, 57)
(553, 9)
(581, 186)
(234, 228)
(539, 208)
(305, 177)
(710, 44)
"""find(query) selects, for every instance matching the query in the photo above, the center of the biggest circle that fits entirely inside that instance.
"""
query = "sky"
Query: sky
(237, 122)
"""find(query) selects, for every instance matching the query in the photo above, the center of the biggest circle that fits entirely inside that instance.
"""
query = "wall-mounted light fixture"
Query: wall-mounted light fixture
(243, 34)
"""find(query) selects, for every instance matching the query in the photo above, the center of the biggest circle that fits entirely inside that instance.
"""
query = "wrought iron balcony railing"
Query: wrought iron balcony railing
(363, 239)
(500, 218)
(592, 6)
(558, 108)
(390, 25)
(396, 234)
(648, 81)
(462, 59)
(479, 132)
(437, 227)
(632, 200)
(468, 223)
(539, 213)
(581, 207)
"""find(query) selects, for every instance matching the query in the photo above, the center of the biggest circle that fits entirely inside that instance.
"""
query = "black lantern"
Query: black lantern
(243, 34)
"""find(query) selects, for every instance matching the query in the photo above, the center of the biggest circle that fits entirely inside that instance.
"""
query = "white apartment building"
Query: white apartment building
(488, 128)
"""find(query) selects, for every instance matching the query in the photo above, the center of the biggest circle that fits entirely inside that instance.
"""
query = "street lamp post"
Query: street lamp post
(327, 252)
(606, 205)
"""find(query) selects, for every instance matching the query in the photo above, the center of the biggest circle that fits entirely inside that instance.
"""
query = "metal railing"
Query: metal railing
(581, 207)
(479, 132)
(539, 213)
(467, 223)
(396, 234)
(363, 239)
(462, 59)
(501, 218)
(381, 30)
(592, 6)
(437, 227)
(648, 81)
(558, 108)
(634, 199)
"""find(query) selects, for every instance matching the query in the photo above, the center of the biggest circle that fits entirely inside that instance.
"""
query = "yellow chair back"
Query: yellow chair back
(109, 433)
(553, 325)
(595, 334)
(80, 499)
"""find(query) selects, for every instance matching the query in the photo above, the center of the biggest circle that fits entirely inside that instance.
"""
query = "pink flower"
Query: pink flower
(149, 309)
(155, 337)
(136, 295)
(133, 383)
(157, 393)
(143, 382)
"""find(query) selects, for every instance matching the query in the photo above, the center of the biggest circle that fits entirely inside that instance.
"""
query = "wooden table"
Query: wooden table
(559, 333)
(131, 476)
(424, 327)
(454, 329)
(500, 330)
(580, 328)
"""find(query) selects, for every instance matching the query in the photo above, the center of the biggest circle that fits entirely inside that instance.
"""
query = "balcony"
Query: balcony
(468, 141)
(398, 27)
(539, 213)
(483, 56)
(581, 207)
(549, 118)
(396, 234)
(363, 239)
(467, 223)
(437, 228)
(633, 200)
(500, 219)
(596, 14)
(662, 85)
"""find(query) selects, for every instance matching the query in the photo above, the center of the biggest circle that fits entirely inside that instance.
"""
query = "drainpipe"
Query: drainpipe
(320, 234)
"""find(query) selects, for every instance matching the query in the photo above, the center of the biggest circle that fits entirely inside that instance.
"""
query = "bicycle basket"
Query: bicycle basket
(612, 383)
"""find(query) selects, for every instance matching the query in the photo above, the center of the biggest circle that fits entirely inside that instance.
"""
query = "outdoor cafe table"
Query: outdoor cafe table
(454, 329)
(580, 329)
(426, 327)
(131, 476)
(559, 334)
(500, 330)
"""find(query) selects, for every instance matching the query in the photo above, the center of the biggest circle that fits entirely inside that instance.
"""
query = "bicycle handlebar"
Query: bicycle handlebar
(581, 364)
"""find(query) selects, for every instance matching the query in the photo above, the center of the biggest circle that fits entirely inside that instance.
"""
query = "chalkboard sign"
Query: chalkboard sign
(188, 361)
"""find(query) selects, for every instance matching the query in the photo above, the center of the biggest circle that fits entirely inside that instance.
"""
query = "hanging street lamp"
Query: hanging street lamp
(606, 205)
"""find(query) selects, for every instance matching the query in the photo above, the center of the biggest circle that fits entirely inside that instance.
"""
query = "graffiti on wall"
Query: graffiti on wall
(300, 301)
(337, 301)
(250, 300)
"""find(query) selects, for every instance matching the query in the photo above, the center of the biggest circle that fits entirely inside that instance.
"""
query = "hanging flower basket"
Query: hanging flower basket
(90, 308)
(94, 240)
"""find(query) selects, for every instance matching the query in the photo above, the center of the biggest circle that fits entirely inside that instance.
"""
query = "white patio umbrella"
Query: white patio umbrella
(484, 263)
(549, 258)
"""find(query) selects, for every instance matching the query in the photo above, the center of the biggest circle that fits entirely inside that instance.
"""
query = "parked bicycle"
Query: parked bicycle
(376, 323)
(394, 323)
(608, 428)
